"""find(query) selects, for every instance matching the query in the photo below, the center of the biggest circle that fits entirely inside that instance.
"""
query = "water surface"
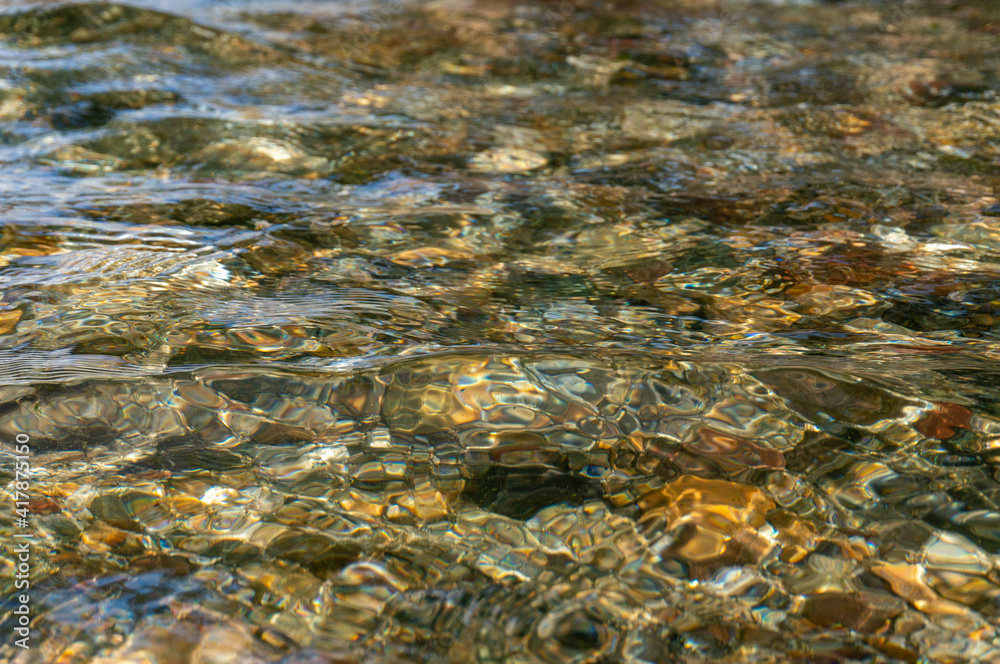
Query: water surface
(477, 331)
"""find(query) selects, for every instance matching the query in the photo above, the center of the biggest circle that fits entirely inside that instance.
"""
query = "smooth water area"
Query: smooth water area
(481, 331)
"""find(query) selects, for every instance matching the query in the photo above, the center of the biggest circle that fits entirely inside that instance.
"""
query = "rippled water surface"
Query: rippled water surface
(481, 331)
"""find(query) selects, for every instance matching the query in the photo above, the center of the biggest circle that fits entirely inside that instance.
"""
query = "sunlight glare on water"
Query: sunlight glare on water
(500, 332)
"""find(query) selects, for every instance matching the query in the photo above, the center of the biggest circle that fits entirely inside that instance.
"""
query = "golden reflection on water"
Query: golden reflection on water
(501, 332)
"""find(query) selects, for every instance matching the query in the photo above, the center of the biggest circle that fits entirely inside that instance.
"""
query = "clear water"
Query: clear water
(479, 331)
